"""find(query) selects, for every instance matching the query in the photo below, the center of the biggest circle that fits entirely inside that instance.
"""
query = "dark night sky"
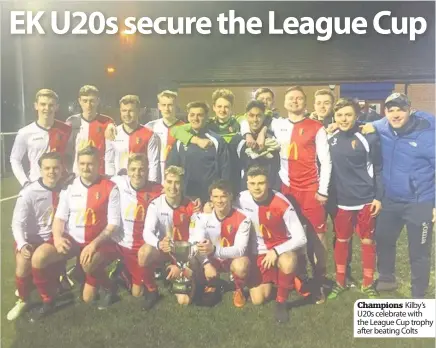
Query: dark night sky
(64, 63)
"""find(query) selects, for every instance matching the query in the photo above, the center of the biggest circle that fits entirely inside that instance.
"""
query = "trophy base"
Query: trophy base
(182, 288)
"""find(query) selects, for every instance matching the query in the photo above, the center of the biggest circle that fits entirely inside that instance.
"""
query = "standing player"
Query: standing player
(163, 126)
(223, 237)
(136, 192)
(31, 226)
(357, 176)
(87, 217)
(280, 236)
(89, 128)
(46, 134)
(202, 166)
(131, 137)
(168, 219)
(305, 169)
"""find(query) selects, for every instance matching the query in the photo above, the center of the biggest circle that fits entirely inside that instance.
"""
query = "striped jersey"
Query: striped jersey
(89, 209)
(34, 141)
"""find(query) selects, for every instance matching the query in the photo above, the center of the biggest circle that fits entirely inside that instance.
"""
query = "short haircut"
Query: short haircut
(222, 185)
(224, 93)
(136, 157)
(88, 90)
(343, 102)
(167, 93)
(295, 88)
(174, 170)
(257, 170)
(88, 151)
(255, 104)
(262, 90)
(46, 93)
(130, 99)
(198, 104)
(49, 155)
(325, 92)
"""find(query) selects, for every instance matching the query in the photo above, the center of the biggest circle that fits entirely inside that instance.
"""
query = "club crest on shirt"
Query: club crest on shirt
(182, 217)
(146, 196)
(301, 132)
(138, 140)
(268, 215)
(231, 130)
(353, 144)
(229, 228)
(97, 196)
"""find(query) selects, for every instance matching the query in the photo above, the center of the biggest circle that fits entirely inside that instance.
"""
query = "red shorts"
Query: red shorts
(221, 266)
(130, 260)
(107, 249)
(361, 220)
(310, 210)
(258, 274)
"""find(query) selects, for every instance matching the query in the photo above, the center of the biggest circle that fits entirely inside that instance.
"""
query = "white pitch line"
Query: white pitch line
(8, 198)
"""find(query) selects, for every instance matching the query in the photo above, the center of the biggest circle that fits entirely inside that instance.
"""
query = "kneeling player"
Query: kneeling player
(31, 226)
(87, 216)
(136, 192)
(357, 177)
(223, 237)
(280, 235)
(168, 218)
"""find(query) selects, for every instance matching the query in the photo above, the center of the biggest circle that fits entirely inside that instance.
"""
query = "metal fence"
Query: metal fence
(6, 143)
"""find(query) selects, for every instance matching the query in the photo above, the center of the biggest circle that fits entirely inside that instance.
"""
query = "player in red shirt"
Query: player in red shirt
(305, 173)
(136, 193)
(88, 128)
(87, 216)
(168, 219)
(279, 238)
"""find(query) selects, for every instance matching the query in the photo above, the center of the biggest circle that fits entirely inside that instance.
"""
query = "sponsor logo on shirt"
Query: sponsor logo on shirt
(353, 144)
(176, 234)
(292, 151)
(76, 195)
(224, 242)
(134, 212)
(86, 217)
(264, 231)
(164, 214)
(38, 138)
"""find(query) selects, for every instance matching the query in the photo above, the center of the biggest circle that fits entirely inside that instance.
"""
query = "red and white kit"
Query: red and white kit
(166, 140)
(141, 140)
(277, 226)
(35, 141)
(91, 134)
(303, 145)
(134, 208)
(162, 220)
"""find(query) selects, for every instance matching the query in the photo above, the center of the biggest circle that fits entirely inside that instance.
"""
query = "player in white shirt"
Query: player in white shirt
(223, 236)
(88, 215)
(46, 134)
(88, 129)
(162, 127)
(168, 219)
(279, 238)
(136, 192)
(32, 226)
(131, 137)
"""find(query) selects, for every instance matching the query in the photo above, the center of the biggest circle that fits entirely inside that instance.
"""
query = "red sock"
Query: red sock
(368, 263)
(239, 283)
(285, 283)
(341, 256)
(24, 286)
(148, 279)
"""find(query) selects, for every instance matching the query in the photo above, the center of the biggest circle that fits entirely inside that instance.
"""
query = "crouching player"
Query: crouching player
(32, 226)
(86, 217)
(357, 177)
(168, 219)
(136, 193)
(280, 236)
(222, 241)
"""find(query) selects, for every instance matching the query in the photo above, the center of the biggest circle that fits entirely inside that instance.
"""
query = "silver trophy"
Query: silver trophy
(182, 252)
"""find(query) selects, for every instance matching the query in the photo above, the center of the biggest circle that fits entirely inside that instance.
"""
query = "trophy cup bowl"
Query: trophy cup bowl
(182, 253)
